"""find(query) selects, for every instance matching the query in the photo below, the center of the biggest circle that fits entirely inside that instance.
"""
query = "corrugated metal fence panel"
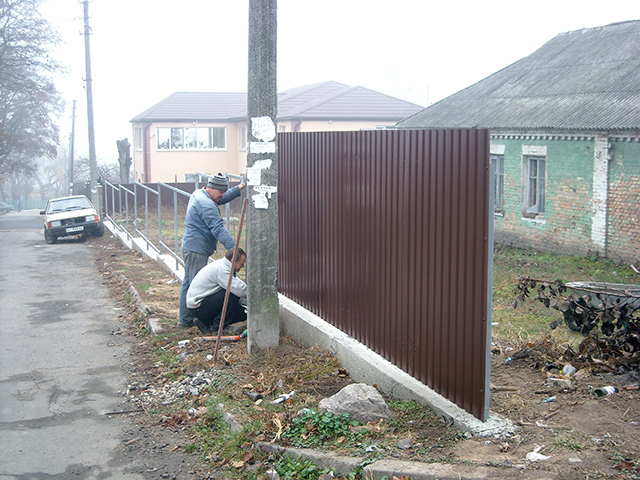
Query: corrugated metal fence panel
(385, 235)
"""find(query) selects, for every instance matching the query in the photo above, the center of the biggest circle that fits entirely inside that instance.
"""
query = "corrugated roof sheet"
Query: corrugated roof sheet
(319, 101)
(584, 79)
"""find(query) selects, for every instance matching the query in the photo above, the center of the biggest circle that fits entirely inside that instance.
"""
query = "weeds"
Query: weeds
(574, 440)
(297, 469)
(313, 428)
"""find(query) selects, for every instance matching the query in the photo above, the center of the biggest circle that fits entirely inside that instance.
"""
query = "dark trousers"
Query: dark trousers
(210, 311)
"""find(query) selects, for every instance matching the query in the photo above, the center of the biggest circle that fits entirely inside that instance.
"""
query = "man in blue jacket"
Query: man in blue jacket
(204, 228)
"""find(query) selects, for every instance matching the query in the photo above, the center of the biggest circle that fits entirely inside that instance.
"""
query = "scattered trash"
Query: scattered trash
(507, 360)
(575, 460)
(548, 400)
(192, 412)
(568, 370)
(536, 456)
(169, 282)
(272, 474)
(183, 343)
(253, 396)
(284, 397)
(559, 381)
(602, 391)
(209, 357)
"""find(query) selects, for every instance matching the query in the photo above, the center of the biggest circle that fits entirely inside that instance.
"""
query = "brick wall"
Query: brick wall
(624, 201)
(565, 226)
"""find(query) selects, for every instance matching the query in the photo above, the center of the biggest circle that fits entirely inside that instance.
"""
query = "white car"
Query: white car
(69, 216)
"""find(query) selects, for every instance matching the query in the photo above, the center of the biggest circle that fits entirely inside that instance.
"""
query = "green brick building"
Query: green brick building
(565, 142)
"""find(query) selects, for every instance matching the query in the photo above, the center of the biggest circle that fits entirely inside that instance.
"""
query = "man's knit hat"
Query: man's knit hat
(218, 182)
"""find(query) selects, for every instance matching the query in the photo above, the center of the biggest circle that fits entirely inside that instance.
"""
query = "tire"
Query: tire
(99, 232)
(50, 239)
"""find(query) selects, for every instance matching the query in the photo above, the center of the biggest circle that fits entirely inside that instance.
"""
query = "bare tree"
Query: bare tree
(106, 171)
(124, 159)
(29, 101)
(52, 177)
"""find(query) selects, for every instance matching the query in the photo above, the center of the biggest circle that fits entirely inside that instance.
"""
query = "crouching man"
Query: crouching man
(205, 297)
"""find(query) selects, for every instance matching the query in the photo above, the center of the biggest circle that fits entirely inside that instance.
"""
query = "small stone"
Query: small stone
(405, 444)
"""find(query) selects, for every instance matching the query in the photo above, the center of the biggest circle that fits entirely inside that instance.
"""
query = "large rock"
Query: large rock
(361, 401)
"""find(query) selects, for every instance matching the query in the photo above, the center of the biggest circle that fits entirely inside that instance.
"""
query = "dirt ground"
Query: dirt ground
(575, 434)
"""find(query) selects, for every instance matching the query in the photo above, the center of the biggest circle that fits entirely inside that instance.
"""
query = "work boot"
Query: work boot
(203, 327)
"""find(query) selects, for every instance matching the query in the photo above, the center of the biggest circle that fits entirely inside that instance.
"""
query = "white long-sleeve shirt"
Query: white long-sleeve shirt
(212, 278)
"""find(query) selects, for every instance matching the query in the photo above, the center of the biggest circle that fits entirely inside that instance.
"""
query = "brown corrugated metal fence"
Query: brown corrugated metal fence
(386, 235)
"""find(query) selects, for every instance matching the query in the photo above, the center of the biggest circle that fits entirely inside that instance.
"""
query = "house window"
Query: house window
(138, 139)
(204, 138)
(177, 138)
(534, 185)
(219, 137)
(164, 138)
(243, 137)
(191, 138)
(498, 162)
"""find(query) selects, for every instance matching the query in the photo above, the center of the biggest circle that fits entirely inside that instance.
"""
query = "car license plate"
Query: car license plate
(74, 229)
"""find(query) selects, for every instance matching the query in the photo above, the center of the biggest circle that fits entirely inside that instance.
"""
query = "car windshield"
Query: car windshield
(68, 204)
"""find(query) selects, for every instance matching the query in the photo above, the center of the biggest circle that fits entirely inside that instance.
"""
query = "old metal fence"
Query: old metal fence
(387, 235)
(155, 212)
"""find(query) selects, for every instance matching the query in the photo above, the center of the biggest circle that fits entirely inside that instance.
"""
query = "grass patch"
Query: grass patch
(573, 440)
(531, 320)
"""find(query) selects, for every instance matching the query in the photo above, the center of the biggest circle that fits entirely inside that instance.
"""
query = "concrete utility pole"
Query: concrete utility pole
(93, 169)
(72, 140)
(262, 176)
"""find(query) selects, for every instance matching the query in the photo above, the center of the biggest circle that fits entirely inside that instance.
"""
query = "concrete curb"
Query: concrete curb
(379, 469)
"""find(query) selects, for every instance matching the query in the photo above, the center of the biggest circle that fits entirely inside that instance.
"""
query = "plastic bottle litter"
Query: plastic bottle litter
(183, 343)
(602, 391)
(284, 397)
(568, 370)
(548, 400)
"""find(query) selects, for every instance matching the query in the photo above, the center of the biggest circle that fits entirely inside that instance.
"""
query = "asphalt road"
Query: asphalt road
(61, 366)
